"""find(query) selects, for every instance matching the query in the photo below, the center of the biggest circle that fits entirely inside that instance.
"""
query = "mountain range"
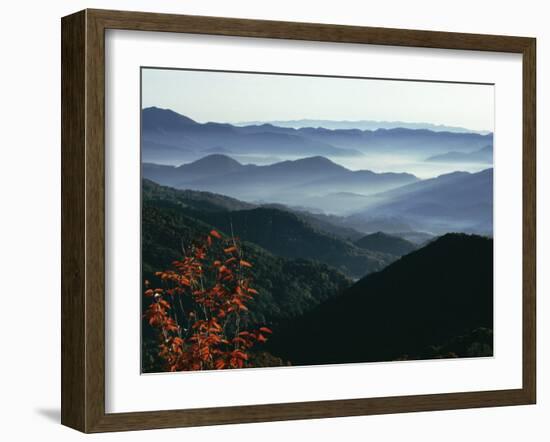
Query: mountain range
(171, 138)
(359, 124)
(180, 136)
(458, 201)
(350, 265)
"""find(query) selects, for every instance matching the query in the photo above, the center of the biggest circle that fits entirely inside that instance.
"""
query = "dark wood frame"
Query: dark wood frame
(83, 216)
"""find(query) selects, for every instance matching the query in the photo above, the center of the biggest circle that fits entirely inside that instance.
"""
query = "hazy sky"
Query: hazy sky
(237, 97)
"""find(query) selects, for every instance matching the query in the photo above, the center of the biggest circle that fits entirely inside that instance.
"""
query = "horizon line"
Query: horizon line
(445, 127)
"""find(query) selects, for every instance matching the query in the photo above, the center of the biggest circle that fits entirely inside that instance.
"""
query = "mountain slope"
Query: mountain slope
(278, 231)
(286, 234)
(212, 202)
(425, 299)
(205, 201)
(459, 201)
(484, 156)
(384, 243)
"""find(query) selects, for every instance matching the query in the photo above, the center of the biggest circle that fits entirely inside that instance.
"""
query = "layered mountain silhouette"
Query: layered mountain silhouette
(484, 155)
(172, 138)
(433, 298)
(168, 128)
(459, 201)
(350, 265)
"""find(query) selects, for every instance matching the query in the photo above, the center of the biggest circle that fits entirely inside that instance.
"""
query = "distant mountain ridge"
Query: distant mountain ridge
(459, 201)
(181, 139)
(313, 176)
(168, 128)
(361, 125)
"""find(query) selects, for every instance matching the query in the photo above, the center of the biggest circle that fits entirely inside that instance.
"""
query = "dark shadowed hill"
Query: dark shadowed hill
(424, 300)
(382, 242)
(206, 201)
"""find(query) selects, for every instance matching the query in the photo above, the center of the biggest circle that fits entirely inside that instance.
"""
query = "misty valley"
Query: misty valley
(311, 177)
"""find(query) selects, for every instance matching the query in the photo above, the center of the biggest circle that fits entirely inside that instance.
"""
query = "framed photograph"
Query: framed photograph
(269, 220)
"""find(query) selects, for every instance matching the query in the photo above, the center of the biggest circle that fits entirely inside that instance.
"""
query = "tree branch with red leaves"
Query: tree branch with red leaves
(198, 312)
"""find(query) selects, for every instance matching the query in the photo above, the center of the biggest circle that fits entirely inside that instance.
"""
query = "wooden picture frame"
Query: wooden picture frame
(83, 220)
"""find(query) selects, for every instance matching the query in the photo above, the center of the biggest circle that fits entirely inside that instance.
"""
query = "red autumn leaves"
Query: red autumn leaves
(200, 312)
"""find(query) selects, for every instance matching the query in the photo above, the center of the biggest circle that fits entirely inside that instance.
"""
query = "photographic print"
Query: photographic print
(291, 220)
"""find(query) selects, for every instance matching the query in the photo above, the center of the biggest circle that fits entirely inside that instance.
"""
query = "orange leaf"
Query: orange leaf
(265, 330)
(230, 249)
(245, 263)
(240, 354)
(238, 340)
(215, 234)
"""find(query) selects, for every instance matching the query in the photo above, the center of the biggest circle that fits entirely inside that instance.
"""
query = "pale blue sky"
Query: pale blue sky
(236, 97)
